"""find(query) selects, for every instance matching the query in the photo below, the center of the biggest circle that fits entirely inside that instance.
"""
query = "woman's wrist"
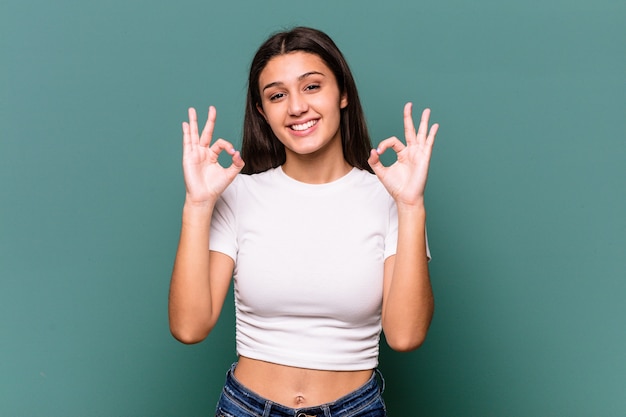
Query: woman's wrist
(197, 213)
(209, 203)
(416, 207)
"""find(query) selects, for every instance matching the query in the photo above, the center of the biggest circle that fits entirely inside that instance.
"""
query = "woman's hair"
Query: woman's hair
(261, 150)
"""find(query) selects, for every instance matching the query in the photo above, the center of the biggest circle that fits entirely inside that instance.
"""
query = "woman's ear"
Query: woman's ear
(260, 110)
(343, 103)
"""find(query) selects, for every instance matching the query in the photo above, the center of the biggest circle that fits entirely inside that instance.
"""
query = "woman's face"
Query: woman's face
(301, 101)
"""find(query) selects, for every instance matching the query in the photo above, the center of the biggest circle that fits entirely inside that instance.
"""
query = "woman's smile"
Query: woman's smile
(303, 126)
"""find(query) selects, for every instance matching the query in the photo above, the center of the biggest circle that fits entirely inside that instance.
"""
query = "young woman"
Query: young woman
(324, 254)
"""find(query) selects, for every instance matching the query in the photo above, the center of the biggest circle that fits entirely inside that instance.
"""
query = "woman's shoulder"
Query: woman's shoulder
(259, 178)
(250, 182)
(367, 179)
(365, 175)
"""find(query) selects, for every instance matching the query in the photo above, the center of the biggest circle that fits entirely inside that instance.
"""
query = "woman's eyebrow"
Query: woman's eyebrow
(308, 74)
(300, 78)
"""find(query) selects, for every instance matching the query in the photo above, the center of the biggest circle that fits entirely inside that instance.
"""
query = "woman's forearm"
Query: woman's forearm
(190, 301)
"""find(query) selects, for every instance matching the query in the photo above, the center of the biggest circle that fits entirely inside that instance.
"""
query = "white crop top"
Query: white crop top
(309, 261)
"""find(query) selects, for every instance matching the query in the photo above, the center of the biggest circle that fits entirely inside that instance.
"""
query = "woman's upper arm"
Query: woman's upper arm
(387, 276)
(221, 267)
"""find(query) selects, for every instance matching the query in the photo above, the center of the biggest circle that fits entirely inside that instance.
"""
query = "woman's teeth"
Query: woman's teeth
(304, 126)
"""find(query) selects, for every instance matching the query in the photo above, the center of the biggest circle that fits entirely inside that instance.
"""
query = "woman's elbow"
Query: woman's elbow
(187, 338)
(406, 343)
(188, 335)
(404, 336)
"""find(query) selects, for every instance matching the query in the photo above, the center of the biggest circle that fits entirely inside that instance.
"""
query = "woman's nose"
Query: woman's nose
(297, 105)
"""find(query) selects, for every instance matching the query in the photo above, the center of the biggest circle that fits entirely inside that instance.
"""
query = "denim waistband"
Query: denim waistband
(343, 407)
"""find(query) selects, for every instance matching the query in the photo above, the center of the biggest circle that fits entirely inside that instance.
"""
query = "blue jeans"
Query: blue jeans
(238, 401)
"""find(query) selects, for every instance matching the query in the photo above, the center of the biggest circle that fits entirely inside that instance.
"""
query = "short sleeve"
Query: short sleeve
(391, 239)
(223, 236)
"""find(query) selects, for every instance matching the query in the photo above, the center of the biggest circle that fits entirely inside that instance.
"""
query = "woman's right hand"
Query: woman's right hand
(205, 178)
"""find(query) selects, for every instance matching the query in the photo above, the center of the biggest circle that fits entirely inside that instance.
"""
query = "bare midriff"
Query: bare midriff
(297, 387)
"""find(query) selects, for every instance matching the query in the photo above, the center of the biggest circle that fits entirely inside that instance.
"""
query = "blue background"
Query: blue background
(526, 197)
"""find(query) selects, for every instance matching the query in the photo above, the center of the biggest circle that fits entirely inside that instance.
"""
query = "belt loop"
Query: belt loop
(268, 409)
(382, 380)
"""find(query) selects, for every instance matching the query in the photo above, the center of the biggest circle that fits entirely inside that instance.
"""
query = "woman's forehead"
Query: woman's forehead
(292, 67)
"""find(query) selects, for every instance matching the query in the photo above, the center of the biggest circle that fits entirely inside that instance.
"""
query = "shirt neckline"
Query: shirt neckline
(327, 185)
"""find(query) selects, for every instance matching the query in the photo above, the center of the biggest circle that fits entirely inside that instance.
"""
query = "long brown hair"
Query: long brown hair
(260, 148)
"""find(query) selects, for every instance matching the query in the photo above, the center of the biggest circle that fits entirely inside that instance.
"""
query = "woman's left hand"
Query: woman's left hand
(405, 180)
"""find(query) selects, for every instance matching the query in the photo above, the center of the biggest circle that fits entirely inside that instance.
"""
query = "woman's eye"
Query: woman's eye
(312, 87)
(276, 96)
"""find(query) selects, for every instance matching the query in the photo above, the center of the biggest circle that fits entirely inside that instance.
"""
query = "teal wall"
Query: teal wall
(526, 197)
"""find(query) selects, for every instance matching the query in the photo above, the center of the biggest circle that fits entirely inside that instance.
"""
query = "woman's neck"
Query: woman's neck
(316, 170)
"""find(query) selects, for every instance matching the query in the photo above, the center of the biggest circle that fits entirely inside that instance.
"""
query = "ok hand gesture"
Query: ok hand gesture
(405, 180)
(205, 178)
